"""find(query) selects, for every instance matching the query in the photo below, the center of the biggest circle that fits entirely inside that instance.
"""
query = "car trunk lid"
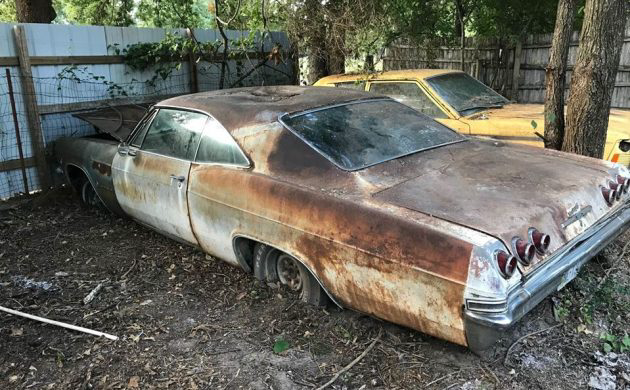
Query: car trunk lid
(502, 190)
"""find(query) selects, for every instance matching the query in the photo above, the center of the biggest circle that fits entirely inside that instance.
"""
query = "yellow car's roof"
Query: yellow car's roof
(410, 74)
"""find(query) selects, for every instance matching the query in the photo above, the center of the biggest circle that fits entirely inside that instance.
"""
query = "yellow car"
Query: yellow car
(470, 107)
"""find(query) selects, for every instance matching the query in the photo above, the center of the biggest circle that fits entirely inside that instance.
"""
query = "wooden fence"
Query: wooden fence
(516, 70)
(57, 70)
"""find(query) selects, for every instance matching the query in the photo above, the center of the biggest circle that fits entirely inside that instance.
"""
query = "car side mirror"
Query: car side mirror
(125, 150)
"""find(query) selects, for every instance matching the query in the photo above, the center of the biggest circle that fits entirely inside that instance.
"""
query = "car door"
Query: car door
(212, 218)
(411, 94)
(151, 173)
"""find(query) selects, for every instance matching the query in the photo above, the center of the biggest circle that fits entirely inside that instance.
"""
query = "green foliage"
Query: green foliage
(612, 342)
(280, 346)
(7, 11)
(174, 13)
(174, 50)
(95, 12)
(82, 75)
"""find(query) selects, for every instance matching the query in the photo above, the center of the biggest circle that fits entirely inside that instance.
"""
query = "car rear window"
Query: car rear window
(359, 134)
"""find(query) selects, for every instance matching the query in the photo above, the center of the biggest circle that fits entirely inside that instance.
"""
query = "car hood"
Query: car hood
(117, 121)
(499, 189)
(522, 115)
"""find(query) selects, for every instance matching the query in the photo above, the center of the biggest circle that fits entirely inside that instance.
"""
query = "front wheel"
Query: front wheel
(88, 194)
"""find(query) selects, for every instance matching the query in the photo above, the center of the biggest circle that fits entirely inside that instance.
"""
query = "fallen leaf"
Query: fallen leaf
(241, 295)
(134, 382)
(16, 332)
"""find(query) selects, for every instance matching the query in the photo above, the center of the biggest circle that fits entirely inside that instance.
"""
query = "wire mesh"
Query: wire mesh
(76, 85)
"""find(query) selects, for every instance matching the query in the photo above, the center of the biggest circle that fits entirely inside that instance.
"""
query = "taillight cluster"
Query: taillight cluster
(615, 189)
(525, 252)
(506, 263)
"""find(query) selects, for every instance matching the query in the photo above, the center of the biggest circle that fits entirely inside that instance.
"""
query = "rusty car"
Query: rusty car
(355, 198)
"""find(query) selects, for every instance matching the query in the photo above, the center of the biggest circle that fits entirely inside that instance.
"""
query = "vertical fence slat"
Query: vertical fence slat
(517, 70)
(18, 138)
(32, 111)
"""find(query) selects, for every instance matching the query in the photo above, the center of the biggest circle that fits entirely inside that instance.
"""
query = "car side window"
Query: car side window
(410, 94)
(360, 85)
(142, 131)
(217, 146)
(174, 133)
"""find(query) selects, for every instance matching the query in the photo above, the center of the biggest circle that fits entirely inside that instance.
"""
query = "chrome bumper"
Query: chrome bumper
(483, 329)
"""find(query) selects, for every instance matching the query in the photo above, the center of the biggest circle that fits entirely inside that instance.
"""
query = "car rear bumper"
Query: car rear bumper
(483, 329)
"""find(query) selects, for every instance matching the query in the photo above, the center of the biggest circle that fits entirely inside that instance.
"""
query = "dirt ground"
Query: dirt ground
(187, 321)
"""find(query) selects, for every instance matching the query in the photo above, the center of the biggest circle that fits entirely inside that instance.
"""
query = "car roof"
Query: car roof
(239, 107)
(409, 74)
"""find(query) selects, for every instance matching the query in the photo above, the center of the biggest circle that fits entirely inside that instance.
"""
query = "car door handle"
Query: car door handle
(178, 178)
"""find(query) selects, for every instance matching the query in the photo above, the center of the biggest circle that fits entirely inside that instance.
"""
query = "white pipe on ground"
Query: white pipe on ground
(57, 323)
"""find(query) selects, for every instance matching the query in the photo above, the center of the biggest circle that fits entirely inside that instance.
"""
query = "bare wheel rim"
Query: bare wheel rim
(289, 272)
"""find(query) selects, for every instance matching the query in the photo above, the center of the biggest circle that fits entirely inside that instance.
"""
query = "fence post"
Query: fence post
(32, 110)
(517, 69)
(18, 138)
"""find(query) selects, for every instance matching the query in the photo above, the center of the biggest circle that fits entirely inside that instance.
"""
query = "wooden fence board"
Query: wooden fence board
(524, 78)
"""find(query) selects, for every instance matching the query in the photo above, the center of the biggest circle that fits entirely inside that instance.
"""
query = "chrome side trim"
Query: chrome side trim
(483, 329)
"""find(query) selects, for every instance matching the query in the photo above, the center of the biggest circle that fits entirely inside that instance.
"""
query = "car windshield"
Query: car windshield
(358, 134)
(464, 93)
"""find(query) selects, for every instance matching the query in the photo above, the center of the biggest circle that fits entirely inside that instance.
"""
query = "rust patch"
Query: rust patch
(102, 168)
(291, 155)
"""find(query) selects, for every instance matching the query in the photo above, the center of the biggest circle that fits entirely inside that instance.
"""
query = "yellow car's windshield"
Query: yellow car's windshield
(464, 93)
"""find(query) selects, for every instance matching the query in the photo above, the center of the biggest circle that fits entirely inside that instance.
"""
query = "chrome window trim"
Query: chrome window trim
(146, 120)
(369, 100)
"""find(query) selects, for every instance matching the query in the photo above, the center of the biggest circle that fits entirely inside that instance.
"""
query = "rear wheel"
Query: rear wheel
(272, 265)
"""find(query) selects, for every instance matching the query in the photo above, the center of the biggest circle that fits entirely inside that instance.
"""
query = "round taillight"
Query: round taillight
(541, 240)
(623, 182)
(609, 195)
(618, 188)
(506, 263)
(524, 250)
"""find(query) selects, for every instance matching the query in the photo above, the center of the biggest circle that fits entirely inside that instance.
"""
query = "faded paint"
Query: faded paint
(406, 240)
(511, 122)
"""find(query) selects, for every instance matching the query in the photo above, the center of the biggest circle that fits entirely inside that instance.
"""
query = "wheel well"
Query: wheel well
(75, 176)
(244, 250)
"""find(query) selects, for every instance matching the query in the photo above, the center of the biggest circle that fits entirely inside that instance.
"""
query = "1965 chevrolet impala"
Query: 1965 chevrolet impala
(354, 197)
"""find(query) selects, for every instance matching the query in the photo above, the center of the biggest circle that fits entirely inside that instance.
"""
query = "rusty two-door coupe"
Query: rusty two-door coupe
(357, 198)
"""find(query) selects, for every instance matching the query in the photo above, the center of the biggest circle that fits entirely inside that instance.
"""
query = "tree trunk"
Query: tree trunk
(555, 75)
(593, 77)
(337, 57)
(316, 41)
(34, 11)
(459, 10)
